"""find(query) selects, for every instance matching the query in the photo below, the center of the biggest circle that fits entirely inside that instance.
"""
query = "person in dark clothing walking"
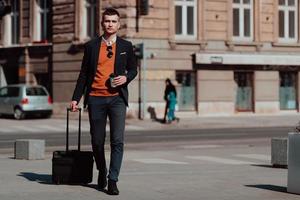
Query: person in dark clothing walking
(170, 89)
(108, 66)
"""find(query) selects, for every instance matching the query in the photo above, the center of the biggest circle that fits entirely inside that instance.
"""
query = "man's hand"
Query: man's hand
(74, 106)
(119, 80)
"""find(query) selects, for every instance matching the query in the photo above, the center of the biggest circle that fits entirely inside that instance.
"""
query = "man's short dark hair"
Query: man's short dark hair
(110, 11)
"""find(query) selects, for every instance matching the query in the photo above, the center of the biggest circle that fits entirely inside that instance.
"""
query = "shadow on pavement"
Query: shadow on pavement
(153, 116)
(95, 186)
(40, 178)
(47, 179)
(271, 166)
(27, 117)
(269, 187)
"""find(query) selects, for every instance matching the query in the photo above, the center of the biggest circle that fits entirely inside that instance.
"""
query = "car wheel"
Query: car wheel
(18, 114)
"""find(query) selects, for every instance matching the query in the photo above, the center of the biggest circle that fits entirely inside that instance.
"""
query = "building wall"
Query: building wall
(266, 92)
(165, 55)
(267, 21)
(216, 20)
(155, 25)
(27, 61)
(215, 35)
(66, 60)
(216, 92)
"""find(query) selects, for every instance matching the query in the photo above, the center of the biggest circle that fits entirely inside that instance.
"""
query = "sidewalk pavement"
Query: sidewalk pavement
(219, 122)
(193, 121)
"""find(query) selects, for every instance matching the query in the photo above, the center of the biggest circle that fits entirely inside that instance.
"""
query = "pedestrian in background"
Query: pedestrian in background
(170, 88)
(108, 66)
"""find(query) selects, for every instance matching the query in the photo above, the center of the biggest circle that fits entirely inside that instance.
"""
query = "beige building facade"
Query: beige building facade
(225, 56)
(245, 55)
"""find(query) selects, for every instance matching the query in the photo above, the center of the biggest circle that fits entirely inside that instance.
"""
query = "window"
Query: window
(13, 91)
(41, 20)
(10, 92)
(15, 22)
(11, 25)
(288, 90)
(3, 92)
(35, 91)
(89, 19)
(186, 91)
(86, 20)
(243, 20)
(244, 94)
(287, 19)
(185, 19)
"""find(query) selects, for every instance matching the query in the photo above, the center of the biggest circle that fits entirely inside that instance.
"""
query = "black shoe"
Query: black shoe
(112, 188)
(102, 181)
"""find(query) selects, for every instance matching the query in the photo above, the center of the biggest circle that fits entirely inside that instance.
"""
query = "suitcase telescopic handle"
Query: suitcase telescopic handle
(79, 129)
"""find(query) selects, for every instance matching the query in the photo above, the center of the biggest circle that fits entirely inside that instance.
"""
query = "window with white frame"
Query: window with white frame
(15, 21)
(41, 20)
(185, 19)
(242, 20)
(287, 19)
(11, 25)
(88, 19)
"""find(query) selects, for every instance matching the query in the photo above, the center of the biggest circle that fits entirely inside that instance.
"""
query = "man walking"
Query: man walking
(108, 66)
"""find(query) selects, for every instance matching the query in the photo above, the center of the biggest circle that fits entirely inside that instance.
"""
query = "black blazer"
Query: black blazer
(125, 64)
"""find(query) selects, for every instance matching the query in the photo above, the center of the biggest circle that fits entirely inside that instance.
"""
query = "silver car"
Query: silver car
(21, 99)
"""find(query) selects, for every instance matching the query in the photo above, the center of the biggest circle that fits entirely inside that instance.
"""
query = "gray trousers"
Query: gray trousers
(115, 109)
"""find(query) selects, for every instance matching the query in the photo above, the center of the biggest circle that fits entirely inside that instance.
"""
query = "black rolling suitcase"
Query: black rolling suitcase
(72, 166)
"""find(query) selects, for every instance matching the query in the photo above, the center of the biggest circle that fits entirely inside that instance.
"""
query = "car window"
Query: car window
(35, 91)
(3, 92)
(13, 91)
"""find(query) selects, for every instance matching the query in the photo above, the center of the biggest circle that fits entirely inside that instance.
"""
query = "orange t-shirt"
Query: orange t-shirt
(101, 84)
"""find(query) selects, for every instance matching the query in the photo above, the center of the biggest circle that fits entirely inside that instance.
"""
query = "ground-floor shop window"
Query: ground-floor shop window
(244, 92)
(288, 90)
(186, 88)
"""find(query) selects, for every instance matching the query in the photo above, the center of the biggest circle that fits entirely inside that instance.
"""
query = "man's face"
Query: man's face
(111, 24)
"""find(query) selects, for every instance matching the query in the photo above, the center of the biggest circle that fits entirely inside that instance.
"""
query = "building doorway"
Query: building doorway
(186, 90)
(288, 90)
(244, 93)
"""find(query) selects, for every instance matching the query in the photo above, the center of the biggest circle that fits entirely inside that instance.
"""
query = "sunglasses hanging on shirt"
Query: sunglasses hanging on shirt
(109, 51)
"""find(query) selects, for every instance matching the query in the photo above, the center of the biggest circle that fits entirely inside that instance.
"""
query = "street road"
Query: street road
(53, 132)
